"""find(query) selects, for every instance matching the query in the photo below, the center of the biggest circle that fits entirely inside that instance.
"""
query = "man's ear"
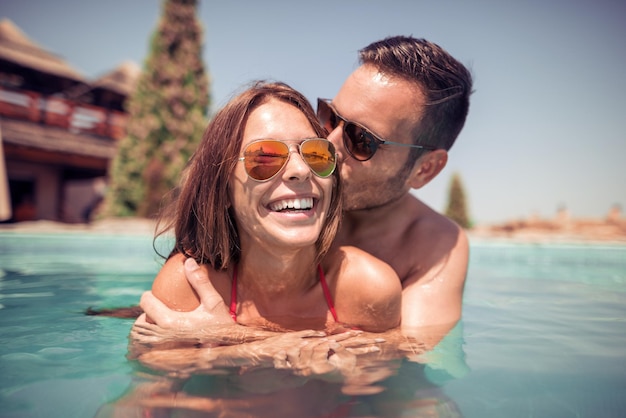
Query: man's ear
(427, 167)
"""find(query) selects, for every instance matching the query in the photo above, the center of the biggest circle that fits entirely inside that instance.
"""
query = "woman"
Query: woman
(258, 208)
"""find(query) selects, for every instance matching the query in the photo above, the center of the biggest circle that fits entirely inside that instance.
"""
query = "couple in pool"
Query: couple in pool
(287, 220)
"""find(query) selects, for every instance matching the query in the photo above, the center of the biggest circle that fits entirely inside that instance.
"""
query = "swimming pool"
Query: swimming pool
(543, 335)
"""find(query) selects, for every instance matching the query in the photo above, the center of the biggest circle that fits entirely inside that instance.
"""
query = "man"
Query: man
(392, 122)
(408, 91)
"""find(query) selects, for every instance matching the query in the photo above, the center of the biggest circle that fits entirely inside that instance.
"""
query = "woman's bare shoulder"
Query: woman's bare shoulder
(171, 285)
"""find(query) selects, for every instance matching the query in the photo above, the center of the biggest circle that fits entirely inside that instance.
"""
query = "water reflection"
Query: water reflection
(390, 382)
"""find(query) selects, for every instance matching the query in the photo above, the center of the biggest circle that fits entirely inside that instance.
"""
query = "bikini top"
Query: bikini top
(329, 299)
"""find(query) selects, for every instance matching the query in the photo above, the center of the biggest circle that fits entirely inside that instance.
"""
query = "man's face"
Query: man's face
(390, 108)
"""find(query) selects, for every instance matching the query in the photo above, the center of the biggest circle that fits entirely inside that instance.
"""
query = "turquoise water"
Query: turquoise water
(55, 361)
(543, 335)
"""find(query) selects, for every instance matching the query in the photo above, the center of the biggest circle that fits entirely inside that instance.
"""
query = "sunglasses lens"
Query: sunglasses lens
(360, 144)
(326, 115)
(263, 159)
(319, 154)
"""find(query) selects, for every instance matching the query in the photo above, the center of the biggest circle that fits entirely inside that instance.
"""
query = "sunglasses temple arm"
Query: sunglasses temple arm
(404, 145)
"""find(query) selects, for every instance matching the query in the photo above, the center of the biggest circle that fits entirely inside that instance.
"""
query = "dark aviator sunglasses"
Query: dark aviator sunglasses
(358, 140)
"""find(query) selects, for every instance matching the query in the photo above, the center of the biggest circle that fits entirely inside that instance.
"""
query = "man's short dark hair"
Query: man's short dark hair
(445, 82)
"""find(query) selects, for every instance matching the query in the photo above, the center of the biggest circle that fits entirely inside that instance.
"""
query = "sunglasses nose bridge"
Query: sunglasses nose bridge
(295, 166)
(293, 148)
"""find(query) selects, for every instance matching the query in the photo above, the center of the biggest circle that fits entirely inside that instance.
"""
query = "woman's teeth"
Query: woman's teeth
(292, 204)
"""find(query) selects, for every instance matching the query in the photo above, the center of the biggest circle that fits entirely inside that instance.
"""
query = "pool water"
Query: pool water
(543, 335)
(54, 360)
(545, 332)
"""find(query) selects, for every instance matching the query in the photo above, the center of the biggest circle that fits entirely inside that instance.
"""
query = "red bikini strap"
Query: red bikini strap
(329, 299)
(233, 295)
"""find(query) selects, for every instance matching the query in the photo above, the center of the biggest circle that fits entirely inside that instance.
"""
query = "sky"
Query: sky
(546, 123)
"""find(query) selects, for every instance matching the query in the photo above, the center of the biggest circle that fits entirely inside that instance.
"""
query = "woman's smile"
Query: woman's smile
(296, 204)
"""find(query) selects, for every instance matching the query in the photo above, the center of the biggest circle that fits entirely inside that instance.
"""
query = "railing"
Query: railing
(53, 111)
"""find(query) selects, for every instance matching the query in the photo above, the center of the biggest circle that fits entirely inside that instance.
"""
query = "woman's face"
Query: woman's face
(289, 209)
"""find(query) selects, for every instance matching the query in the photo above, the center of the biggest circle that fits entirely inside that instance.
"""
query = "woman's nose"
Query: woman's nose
(296, 168)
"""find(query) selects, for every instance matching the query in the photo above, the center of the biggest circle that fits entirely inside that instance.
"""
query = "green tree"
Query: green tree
(457, 205)
(167, 115)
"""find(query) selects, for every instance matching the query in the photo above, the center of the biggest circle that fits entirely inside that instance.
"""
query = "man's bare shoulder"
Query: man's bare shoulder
(362, 280)
(357, 275)
(361, 262)
(436, 269)
(428, 223)
(436, 241)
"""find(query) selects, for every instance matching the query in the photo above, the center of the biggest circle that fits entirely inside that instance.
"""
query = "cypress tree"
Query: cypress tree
(167, 115)
(457, 206)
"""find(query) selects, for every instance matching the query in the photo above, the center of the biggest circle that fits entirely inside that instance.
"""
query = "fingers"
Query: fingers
(306, 334)
(170, 360)
(356, 343)
(199, 280)
(320, 357)
(346, 335)
(142, 327)
(299, 357)
(306, 355)
(312, 357)
(156, 310)
(363, 350)
(280, 360)
(195, 274)
(141, 319)
(342, 359)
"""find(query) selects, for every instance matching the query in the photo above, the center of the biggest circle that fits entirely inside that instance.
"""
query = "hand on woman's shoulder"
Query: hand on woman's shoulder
(171, 285)
(368, 291)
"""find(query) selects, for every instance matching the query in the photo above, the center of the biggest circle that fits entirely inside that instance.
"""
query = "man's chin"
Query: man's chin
(364, 203)
(359, 206)
(351, 204)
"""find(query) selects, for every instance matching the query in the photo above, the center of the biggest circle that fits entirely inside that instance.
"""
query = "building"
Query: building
(58, 131)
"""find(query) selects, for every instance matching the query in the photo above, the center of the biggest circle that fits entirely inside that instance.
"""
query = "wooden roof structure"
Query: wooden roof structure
(110, 90)
(35, 139)
(17, 48)
(122, 79)
(57, 128)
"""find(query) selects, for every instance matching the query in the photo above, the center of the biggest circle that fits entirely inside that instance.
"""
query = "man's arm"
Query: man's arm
(432, 297)
(209, 323)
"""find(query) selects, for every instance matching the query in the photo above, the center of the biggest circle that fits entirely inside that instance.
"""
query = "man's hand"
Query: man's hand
(304, 352)
(197, 360)
(208, 325)
(211, 311)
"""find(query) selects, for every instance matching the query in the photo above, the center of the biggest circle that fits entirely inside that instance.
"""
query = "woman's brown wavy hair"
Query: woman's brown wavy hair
(201, 216)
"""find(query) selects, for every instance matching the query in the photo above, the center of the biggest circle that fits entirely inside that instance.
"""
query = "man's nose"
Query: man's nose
(336, 137)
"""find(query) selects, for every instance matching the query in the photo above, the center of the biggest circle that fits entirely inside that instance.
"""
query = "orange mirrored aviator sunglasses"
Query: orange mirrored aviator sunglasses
(265, 158)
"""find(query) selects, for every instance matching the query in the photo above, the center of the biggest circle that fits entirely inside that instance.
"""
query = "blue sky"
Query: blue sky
(546, 123)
